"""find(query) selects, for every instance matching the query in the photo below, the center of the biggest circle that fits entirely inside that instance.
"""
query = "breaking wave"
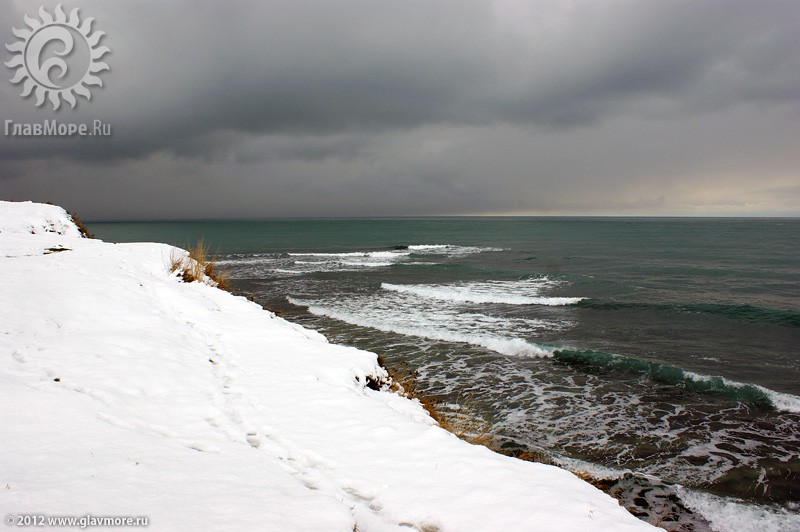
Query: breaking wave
(422, 326)
(523, 292)
(448, 249)
(727, 514)
(341, 261)
(751, 394)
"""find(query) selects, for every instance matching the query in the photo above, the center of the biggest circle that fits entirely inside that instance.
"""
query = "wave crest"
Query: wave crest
(505, 346)
(751, 394)
(523, 292)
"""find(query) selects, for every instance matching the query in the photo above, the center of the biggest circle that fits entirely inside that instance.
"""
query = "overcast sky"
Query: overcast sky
(418, 107)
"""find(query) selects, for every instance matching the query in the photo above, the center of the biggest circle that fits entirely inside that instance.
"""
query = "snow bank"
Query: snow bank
(35, 218)
(124, 391)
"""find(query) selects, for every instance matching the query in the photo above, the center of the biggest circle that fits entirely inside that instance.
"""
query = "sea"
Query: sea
(657, 357)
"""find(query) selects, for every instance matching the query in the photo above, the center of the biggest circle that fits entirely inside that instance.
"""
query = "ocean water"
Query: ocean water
(660, 354)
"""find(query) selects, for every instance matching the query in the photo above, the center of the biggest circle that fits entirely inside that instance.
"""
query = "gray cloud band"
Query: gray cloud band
(342, 81)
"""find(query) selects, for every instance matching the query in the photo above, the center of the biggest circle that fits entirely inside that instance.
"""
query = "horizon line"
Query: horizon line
(452, 216)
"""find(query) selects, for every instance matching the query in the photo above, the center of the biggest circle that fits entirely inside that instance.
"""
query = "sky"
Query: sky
(249, 109)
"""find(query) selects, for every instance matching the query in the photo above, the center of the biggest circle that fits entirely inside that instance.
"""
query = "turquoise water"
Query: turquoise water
(669, 347)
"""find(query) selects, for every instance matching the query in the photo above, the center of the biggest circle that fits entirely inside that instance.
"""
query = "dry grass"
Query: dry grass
(197, 266)
(85, 233)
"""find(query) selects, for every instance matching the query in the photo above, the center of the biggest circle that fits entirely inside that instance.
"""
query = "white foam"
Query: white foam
(728, 515)
(340, 261)
(370, 264)
(595, 471)
(247, 259)
(429, 247)
(449, 249)
(364, 254)
(523, 292)
(284, 271)
(782, 402)
(417, 325)
(345, 261)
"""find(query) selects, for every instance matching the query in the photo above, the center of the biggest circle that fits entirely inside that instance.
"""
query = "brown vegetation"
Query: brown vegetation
(197, 266)
(85, 233)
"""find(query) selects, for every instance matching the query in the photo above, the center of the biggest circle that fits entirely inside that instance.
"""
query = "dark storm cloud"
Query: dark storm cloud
(350, 91)
(184, 71)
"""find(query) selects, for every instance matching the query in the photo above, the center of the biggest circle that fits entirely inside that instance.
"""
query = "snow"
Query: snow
(125, 391)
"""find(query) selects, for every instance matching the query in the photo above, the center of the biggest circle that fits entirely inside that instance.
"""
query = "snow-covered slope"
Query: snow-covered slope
(124, 391)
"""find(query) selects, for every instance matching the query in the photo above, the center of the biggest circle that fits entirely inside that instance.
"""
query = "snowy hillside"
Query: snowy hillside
(126, 392)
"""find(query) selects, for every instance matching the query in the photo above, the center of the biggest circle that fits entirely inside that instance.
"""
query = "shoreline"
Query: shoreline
(641, 493)
(177, 384)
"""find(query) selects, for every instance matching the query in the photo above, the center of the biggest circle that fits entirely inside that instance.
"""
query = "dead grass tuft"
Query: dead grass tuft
(85, 233)
(197, 266)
